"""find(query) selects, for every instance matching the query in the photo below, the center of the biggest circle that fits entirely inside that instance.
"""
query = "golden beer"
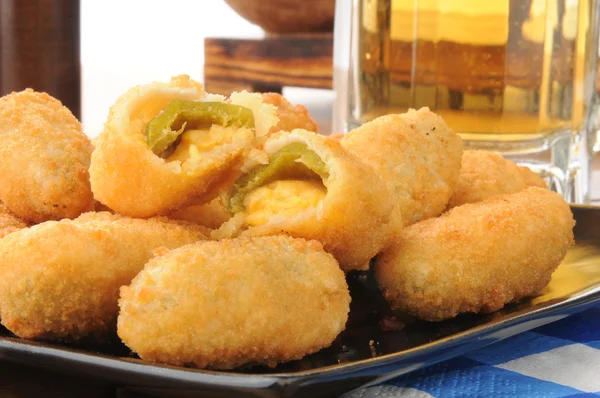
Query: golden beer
(495, 70)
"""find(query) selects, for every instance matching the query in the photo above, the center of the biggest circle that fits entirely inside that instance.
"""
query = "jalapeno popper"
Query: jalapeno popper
(477, 257)
(60, 280)
(44, 158)
(214, 214)
(416, 153)
(311, 188)
(228, 303)
(169, 145)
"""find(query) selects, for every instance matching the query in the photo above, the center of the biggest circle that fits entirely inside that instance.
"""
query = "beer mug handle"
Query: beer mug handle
(343, 41)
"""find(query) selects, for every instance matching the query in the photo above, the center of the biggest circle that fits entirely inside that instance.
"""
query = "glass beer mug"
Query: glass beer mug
(513, 76)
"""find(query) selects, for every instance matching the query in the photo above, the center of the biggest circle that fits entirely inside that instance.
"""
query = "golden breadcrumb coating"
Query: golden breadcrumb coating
(223, 304)
(337, 136)
(484, 174)
(60, 280)
(355, 220)
(290, 117)
(212, 215)
(9, 222)
(44, 158)
(477, 257)
(416, 153)
(129, 178)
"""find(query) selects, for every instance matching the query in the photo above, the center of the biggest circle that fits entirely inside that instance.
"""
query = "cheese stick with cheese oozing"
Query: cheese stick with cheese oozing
(166, 146)
(416, 153)
(311, 188)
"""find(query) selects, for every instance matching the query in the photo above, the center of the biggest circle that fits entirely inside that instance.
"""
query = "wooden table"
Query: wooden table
(268, 64)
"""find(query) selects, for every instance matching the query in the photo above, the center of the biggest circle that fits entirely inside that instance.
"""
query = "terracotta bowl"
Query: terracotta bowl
(287, 16)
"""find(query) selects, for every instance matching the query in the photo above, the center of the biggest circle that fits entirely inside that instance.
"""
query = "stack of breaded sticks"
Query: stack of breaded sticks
(200, 228)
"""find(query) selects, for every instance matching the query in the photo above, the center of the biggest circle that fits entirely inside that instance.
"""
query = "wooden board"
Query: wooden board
(269, 64)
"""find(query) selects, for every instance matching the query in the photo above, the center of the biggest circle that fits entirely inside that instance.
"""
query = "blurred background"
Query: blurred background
(86, 53)
(125, 43)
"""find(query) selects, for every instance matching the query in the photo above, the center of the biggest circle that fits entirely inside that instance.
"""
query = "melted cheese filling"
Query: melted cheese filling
(193, 142)
(282, 198)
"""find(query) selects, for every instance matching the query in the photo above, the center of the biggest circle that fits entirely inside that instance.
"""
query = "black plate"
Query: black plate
(362, 355)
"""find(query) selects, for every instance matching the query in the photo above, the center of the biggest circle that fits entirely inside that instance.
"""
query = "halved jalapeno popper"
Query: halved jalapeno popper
(311, 188)
(169, 145)
(214, 214)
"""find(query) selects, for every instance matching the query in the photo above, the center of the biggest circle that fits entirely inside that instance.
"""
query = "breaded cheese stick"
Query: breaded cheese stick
(44, 158)
(477, 257)
(228, 303)
(416, 153)
(61, 280)
(484, 174)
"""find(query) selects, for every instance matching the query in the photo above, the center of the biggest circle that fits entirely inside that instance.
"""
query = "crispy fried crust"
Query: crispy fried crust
(290, 117)
(9, 223)
(484, 174)
(336, 137)
(224, 304)
(44, 158)
(477, 257)
(416, 153)
(212, 215)
(61, 280)
(357, 218)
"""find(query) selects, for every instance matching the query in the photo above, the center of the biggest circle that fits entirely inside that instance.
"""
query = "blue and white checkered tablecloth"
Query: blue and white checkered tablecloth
(561, 359)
